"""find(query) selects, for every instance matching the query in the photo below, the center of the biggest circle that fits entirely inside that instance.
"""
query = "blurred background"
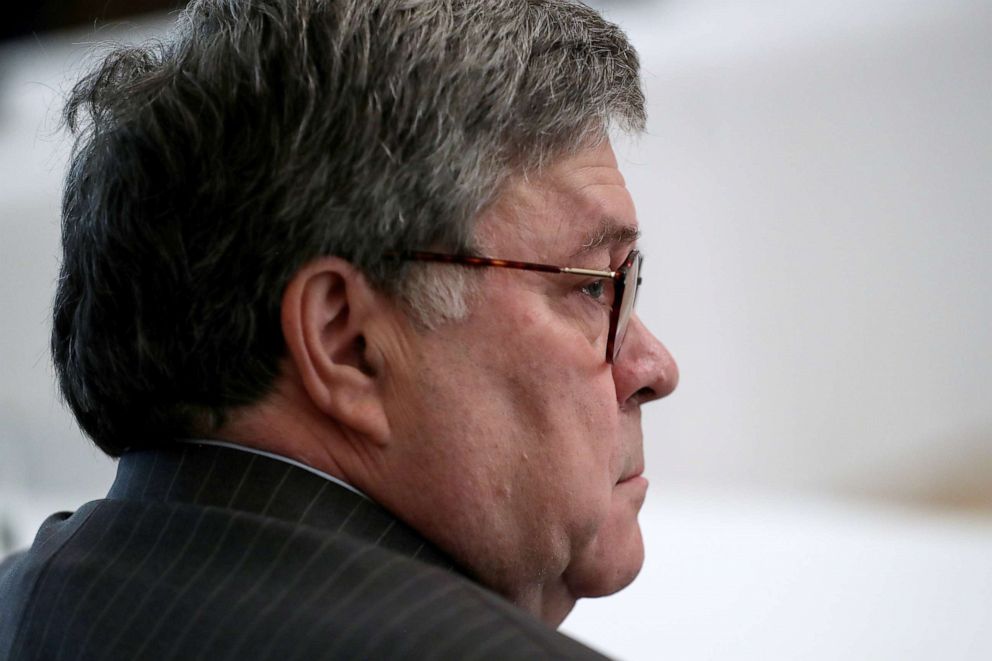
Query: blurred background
(815, 190)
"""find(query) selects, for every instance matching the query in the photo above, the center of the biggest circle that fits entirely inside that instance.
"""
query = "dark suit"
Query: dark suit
(213, 553)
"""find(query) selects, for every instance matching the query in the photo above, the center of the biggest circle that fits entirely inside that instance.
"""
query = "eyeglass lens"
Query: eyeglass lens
(631, 281)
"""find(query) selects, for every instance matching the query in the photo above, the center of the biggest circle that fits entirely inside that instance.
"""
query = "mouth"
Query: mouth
(632, 475)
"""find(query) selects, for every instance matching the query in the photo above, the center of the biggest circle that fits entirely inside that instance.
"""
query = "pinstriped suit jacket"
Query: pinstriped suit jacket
(210, 553)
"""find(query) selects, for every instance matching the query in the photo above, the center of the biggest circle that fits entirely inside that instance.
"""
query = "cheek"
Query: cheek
(561, 384)
(519, 375)
(576, 455)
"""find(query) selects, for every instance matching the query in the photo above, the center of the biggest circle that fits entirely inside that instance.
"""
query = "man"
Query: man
(347, 427)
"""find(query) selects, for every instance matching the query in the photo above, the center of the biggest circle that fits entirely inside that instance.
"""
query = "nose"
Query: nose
(644, 370)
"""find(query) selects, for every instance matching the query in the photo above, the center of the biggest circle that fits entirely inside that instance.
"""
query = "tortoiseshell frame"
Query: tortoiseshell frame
(619, 278)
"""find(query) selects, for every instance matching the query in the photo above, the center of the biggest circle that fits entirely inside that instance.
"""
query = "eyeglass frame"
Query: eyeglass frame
(619, 277)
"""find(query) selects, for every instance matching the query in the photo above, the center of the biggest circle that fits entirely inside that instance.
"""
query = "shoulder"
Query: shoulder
(167, 580)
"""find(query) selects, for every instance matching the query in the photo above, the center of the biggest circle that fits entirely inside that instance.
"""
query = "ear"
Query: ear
(326, 309)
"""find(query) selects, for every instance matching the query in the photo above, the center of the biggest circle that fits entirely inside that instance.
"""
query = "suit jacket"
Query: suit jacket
(211, 553)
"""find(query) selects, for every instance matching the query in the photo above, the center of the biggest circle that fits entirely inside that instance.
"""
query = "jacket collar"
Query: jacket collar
(232, 479)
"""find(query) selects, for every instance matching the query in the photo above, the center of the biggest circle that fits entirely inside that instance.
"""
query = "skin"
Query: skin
(505, 438)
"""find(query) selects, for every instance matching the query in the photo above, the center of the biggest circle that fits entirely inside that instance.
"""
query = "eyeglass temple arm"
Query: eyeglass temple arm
(468, 260)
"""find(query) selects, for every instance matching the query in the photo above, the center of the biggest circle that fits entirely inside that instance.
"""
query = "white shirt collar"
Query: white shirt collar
(277, 457)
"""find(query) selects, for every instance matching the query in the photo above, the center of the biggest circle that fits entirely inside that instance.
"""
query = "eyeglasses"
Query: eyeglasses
(626, 281)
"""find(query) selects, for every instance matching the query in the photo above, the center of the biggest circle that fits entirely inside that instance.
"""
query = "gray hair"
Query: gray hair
(211, 166)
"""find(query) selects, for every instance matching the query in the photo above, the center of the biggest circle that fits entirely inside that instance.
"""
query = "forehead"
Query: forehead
(577, 206)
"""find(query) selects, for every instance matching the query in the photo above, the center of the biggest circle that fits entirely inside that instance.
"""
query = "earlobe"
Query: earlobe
(326, 310)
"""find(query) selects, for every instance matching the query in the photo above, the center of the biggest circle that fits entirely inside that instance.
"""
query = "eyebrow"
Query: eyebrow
(610, 233)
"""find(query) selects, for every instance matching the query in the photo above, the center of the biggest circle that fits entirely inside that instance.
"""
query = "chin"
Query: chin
(624, 571)
(611, 562)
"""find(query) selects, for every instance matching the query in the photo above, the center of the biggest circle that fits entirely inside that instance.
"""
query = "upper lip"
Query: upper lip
(635, 473)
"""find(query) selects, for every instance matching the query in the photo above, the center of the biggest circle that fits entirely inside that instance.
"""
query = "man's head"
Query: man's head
(231, 218)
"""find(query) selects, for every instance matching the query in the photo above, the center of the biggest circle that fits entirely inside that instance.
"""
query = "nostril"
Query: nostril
(645, 395)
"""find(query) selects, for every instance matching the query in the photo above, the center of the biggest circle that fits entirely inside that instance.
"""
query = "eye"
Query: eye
(596, 290)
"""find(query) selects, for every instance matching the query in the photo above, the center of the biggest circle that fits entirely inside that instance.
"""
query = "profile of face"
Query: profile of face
(518, 445)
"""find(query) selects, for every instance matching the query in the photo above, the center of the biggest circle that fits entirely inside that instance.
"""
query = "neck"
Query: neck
(281, 426)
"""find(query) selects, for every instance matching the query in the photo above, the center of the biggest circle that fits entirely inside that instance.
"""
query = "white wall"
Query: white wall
(41, 449)
(817, 190)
